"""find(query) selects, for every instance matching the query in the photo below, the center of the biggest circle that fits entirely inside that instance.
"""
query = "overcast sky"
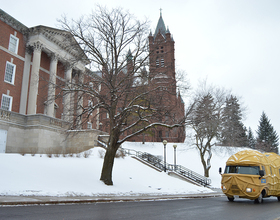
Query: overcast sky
(232, 43)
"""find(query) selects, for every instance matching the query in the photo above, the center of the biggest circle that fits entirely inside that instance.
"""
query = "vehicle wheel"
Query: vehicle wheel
(278, 198)
(260, 199)
(231, 199)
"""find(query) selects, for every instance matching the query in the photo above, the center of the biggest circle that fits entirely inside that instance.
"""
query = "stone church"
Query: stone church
(33, 60)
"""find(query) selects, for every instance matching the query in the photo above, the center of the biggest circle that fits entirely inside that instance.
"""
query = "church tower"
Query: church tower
(162, 76)
(162, 58)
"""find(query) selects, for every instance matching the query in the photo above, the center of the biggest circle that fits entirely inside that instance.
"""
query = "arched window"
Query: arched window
(157, 63)
(162, 62)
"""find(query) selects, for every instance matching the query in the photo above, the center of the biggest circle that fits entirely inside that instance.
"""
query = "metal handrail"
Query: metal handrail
(179, 169)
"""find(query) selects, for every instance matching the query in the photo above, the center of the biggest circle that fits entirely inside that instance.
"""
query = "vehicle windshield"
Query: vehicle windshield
(251, 170)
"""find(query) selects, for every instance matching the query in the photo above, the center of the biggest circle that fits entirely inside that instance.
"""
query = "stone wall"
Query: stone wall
(41, 133)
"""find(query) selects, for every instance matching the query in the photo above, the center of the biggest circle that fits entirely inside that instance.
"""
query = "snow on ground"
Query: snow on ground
(72, 176)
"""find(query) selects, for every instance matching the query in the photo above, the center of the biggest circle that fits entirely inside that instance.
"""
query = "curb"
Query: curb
(44, 200)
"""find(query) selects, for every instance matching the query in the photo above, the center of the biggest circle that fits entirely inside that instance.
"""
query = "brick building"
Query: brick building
(161, 74)
(35, 66)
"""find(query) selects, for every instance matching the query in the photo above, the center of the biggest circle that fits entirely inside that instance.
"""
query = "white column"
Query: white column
(34, 79)
(80, 102)
(67, 107)
(52, 84)
(25, 81)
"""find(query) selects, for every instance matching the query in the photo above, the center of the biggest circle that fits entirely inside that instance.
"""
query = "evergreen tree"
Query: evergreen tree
(233, 131)
(251, 139)
(267, 138)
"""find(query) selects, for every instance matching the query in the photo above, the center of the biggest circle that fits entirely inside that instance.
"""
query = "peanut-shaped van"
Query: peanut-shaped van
(252, 175)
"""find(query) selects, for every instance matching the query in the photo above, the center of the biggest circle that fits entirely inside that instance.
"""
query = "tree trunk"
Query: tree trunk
(143, 140)
(107, 169)
(206, 172)
(206, 169)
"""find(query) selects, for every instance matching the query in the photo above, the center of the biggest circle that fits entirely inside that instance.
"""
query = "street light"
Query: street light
(175, 146)
(164, 161)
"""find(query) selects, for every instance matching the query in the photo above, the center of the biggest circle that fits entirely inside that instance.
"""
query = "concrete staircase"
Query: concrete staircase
(177, 171)
(156, 163)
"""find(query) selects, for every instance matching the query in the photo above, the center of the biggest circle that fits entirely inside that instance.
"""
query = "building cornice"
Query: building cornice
(62, 39)
(13, 22)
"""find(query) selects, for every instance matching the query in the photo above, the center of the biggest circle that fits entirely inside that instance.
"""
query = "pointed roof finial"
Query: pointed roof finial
(129, 55)
(167, 31)
(160, 26)
(160, 12)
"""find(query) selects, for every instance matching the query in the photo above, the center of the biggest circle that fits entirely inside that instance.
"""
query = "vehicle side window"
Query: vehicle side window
(264, 169)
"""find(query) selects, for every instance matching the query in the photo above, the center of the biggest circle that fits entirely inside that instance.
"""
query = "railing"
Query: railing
(189, 174)
(101, 142)
(157, 162)
(151, 159)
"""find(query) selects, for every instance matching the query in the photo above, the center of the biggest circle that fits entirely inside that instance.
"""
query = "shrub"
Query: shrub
(120, 154)
(33, 150)
(57, 151)
(49, 152)
(22, 151)
(86, 153)
(101, 153)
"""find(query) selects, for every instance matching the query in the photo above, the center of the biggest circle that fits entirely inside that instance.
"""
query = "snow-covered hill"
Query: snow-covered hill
(70, 176)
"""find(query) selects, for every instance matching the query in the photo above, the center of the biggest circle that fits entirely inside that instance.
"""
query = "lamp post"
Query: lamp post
(164, 161)
(175, 146)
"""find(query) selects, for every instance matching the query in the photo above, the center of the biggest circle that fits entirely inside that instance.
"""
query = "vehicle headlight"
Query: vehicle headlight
(248, 190)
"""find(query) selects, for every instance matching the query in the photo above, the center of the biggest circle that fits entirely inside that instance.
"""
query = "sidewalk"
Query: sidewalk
(42, 200)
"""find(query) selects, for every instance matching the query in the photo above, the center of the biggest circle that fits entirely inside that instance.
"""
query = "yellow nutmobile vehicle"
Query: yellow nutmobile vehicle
(252, 175)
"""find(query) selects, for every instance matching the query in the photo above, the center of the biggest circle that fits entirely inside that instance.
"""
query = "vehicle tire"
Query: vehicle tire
(231, 199)
(278, 197)
(259, 199)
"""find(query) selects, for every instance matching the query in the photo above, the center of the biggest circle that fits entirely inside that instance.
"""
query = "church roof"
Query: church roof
(160, 27)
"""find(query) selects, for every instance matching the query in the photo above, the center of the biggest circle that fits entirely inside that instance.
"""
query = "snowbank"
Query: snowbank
(72, 176)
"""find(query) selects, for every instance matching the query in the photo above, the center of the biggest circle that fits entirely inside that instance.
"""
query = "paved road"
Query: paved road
(207, 208)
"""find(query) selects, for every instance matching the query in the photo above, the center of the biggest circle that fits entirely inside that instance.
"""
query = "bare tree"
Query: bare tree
(116, 44)
(205, 120)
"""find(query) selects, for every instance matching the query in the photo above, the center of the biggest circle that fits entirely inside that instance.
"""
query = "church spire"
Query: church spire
(160, 26)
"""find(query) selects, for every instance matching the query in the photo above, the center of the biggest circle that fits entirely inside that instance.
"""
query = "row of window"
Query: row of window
(6, 101)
